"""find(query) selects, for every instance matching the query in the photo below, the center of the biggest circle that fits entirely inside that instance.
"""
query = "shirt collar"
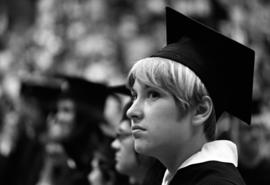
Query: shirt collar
(219, 150)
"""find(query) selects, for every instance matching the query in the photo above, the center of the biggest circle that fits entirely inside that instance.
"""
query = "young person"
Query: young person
(180, 92)
(73, 130)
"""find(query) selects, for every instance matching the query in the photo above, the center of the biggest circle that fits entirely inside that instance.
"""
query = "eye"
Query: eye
(133, 95)
(152, 94)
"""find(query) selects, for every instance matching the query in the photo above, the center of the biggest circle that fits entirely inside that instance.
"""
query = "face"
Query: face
(61, 124)
(157, 125)
(126, 161)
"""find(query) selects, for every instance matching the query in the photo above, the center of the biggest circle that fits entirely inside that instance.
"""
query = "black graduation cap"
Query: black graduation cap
(43, 90)
(224, 65)
(83, 90)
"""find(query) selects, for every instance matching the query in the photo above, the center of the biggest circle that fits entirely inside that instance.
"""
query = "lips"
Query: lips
(137, 131)
(137, 128)
(116, 157)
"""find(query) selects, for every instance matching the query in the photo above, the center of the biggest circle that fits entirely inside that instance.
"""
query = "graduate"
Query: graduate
(180, 92)
(75, 128)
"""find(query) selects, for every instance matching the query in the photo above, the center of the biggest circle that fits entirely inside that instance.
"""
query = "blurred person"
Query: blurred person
(103, 167)
(178, 95)
(8, 132)
(140, 169)
(103, 163)
(253, 165)
(74, 130)
(25, 160)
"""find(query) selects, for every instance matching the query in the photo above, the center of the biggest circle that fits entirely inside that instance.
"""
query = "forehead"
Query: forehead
(139, 85)
(148, 70)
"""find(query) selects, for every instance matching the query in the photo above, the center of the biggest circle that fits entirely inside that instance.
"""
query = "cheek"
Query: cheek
(162, 118)
(128, 151)
(164, 128)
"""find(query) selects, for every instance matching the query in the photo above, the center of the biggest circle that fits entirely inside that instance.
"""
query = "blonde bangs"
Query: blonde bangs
(170, 76)
(150, 71)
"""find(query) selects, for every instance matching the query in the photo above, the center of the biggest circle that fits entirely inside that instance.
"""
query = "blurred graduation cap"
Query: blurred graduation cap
(224, 65)
(85, 91)
(82, 90)
(50, 87)
(43, 90)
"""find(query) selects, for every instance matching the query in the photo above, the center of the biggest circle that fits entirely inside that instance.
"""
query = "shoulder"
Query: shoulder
(216, 180)
(208, 173)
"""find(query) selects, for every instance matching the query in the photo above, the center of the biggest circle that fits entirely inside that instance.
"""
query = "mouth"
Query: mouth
(137, 130)
(137, 127)
(116, 157)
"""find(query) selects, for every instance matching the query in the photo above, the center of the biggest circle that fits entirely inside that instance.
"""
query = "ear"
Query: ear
(203, 111)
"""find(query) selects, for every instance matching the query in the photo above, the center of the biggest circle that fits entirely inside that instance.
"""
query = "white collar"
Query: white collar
(219, 150)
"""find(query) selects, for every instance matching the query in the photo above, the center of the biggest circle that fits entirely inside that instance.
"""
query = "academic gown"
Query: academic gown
(214, 164)
(208, 173)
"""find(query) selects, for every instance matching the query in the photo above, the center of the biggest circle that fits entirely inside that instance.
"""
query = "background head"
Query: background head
(128, 161)
(124, 145)
(76, 120)
(78, 109)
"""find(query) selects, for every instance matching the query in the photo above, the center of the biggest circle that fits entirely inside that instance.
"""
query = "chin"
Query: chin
(120, 169)
(141, 148)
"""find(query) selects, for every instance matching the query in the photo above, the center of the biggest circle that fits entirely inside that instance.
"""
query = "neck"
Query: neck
(138, 176)
(189, 148)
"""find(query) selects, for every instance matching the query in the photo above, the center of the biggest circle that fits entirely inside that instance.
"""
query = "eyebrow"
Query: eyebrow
(143, 86)
(147, 87)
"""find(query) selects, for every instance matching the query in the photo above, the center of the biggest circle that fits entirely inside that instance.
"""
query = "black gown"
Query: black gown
(208, 173)
(256, 175)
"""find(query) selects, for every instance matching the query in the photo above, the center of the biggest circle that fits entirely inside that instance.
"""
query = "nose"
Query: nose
(135, 112)
(115, 144)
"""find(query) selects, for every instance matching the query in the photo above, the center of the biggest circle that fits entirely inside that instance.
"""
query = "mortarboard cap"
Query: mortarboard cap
(224, 65)
(84, 91)
(42, 89)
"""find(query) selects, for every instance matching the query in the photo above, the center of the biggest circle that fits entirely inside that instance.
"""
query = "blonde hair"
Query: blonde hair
(173, 77)
(170, 76)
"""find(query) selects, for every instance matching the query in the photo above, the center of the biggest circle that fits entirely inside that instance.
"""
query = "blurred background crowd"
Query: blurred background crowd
(99, 40)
